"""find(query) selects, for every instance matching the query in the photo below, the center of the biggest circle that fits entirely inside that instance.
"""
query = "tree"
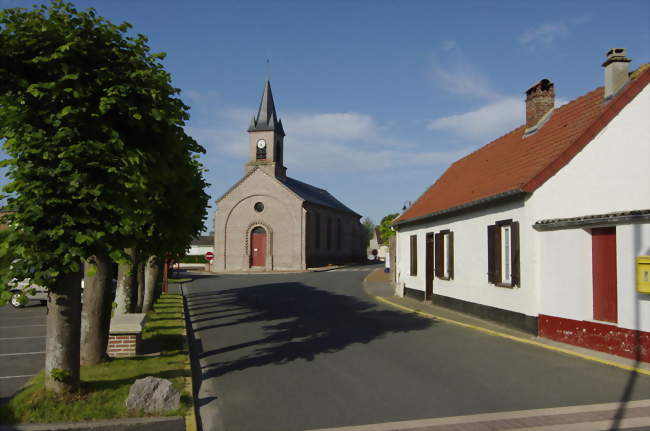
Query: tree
(384, 227)
(88, 115)
(369, 228)
(96, 310)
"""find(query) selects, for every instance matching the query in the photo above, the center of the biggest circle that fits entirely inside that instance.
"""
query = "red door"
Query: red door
(258, 247)
(603, 262)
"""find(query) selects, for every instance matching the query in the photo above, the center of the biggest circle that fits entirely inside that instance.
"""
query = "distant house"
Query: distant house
(540, 228)
(377, 248)
(201, 245)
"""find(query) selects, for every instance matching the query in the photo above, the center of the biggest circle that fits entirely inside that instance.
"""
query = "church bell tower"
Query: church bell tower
(266, 138)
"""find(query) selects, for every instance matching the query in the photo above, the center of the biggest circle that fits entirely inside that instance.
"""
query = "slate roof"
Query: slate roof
(267, 118)
(515, 164)
(203, 240)
(315, 195)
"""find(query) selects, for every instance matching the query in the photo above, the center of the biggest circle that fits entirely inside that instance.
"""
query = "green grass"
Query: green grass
(179, 280)
(105, 387)
(194, 258)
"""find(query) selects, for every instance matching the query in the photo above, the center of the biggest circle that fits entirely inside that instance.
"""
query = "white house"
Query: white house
(540, 229)
(201, 245)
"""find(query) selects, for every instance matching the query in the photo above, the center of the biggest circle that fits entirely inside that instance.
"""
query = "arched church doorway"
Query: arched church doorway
(258, 247)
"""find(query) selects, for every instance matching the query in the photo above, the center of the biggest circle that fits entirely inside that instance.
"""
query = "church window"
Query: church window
(261, 153)
(259, 207)
(329, 233)
(317, 231)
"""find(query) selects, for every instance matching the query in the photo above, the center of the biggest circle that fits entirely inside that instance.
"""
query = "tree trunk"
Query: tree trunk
(63, 334)
(161, 279)
(96, 309)
(152, 270)
(141, 263)
(126, 293)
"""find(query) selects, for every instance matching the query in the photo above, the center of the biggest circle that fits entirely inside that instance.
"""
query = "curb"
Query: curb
(190, 416)
(511, 337)
(108, 424)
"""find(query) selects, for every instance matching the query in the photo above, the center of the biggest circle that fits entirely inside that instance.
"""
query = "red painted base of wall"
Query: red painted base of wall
(597, 336)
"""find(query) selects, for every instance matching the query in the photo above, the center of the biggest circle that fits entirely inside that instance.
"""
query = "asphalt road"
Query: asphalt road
(312, 350)
(22, 346)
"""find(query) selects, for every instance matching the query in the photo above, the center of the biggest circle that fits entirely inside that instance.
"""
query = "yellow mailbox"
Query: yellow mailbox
(643, 274)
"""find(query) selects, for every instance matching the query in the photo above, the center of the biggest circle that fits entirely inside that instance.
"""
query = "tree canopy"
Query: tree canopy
(384, 227)
(93, 132)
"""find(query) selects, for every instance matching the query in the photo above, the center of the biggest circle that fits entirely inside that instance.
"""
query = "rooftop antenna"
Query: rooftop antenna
(268, 69)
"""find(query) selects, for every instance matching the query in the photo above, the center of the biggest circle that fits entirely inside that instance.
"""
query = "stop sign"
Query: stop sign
(209, 256)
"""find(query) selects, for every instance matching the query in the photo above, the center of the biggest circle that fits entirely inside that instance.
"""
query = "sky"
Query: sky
(377, 98)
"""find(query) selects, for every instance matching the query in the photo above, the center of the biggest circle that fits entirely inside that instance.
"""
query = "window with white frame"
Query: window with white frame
(503, 253)
(444, 255)
(506, 254)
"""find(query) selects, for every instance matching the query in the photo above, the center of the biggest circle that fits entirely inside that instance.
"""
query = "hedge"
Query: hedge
(194, 258)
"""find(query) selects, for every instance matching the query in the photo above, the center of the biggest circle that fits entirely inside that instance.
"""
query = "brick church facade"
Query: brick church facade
(268, 221)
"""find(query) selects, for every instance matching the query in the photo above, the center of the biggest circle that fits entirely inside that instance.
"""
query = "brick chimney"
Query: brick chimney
(540, 99)
(616, 73)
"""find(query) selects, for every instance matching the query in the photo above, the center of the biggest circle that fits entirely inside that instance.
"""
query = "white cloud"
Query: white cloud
(454, 74)
(330, 156)
(485, 123)
(346, 126)
(543, 34)
(321, 142)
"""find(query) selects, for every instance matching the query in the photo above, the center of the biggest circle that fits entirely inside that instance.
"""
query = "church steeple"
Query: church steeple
(267, 119)
(266, 138)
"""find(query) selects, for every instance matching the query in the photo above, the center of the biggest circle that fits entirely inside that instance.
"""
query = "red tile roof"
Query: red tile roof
(514, 163)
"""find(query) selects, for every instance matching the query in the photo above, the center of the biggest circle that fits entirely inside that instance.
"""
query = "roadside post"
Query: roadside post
(209, 256)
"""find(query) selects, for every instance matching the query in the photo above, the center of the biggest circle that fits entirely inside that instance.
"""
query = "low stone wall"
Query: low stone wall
(124, 345)
(125, 335)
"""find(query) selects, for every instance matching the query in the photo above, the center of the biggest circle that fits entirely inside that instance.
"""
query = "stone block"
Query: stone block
(153, 395)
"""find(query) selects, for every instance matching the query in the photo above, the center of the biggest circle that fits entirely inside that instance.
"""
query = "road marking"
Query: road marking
(481, 420)
(18, 354)
(16, 377)
(518, 339)
(21, 326)
(21, 338)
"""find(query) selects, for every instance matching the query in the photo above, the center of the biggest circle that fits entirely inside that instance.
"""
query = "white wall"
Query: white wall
(470, 281)
(566, 281)
(565, 276)
(612, 173)
(200, 249)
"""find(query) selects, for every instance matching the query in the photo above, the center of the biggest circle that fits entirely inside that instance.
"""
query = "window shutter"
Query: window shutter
(439, 255)
(516, 279)
(414, 255)
(451, 255)
(491, 234)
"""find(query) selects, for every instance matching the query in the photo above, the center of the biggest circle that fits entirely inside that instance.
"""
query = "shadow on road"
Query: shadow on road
(302, 322)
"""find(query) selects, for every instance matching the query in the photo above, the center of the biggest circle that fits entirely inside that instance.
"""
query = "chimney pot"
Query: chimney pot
(616, 71)
(540, 100)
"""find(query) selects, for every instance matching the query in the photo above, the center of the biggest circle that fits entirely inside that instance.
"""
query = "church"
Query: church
(268, 221)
